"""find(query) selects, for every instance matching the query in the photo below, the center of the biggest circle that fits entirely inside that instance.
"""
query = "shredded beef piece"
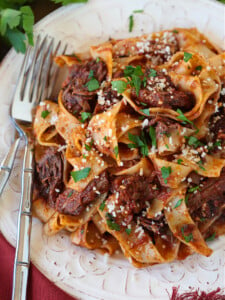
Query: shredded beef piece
(106, 99)
(217, 125)
(161, 92)
(73, 203)
(76, 97)
(195, 178)
(210, 197)
(49, 175)
(133, 191)
(156, 225)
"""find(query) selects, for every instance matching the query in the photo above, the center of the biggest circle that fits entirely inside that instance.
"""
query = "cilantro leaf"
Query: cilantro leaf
(84, 116)
(92, 84)
(187, 56)
(119, 85)
(45, 113)
(166, 171)
(79, 175)
(178, 203)
(131, 23)
(152, 135)
(187, 238)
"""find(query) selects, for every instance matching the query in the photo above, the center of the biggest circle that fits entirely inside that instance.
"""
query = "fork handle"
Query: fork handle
(7, 164)
(22, 256)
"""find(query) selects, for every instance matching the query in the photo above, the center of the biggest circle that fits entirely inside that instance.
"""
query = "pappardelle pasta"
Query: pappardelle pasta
(131, 157)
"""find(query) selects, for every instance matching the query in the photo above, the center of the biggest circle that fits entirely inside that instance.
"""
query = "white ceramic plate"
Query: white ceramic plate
(80, 272)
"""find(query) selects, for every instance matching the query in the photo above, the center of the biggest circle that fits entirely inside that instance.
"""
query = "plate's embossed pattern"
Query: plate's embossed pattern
(82, 273)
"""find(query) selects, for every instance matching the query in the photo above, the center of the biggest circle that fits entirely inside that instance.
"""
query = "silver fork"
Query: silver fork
(8, 161)
(31, 88)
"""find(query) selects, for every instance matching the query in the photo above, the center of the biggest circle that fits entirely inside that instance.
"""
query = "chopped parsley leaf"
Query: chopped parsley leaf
(119, 85)
(211, 238)
(141, 118)
(200, 164)
(166, 171)
(45, 113)
(111, 223)
(91, 74)
(178, 203)
(138, 142)
(187, 238)
(84, 116)
(193, 141)
(152, 135)
(183, 118)
(187, 56)
(179, 161)
(167, 146)
(97, 59)
(116, 150)
(92, 84)
(144, 104)
(128, 231)
(202, 219)
(79, 175)
(105, 138)
(145, 111)
(70, 194)
(152, 73)
(102, 205)
(88, 147)
(138, 11)
(175, 31)
(198, 68)
(131, 23)
(193, 189)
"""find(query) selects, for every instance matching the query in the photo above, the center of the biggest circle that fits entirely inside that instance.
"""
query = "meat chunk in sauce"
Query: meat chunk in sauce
(49, 175)
(76, 97)
(107, 97)
(161, 92)
(208, 201)
(134, 192)
(73, 203)
(217, 122)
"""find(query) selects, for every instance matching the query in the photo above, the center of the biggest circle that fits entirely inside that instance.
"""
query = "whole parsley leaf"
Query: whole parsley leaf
(9, 18)
(138, 142)
(17, 39)
(79, 175)
(28, 22)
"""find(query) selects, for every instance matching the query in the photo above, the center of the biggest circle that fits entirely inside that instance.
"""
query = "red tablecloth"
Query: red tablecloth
(39, 287)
